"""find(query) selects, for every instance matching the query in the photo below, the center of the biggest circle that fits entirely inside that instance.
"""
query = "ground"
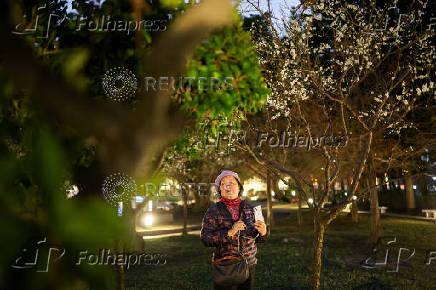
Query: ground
(285, 259)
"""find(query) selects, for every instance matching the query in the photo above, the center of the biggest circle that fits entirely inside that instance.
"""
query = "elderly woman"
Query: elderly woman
(230, 227)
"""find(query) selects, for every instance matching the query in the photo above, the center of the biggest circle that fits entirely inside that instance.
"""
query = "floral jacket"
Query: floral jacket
(218, 221)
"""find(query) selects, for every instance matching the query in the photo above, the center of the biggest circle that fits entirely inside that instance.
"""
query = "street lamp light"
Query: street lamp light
(148, 220)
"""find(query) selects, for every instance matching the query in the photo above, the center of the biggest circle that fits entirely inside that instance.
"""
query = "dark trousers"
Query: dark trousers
(247, 285)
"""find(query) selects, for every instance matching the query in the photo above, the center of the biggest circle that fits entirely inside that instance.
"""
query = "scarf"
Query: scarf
(232, 206)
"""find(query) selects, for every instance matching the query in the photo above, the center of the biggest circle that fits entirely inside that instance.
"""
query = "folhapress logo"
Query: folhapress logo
(39, 258)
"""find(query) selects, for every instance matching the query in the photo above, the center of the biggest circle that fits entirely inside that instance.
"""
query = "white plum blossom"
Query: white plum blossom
(342, 52)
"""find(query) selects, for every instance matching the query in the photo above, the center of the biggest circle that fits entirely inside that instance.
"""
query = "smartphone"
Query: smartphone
(258, 213)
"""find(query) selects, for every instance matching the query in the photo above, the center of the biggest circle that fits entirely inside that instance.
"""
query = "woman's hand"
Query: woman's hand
(238, 226)
(260, 227)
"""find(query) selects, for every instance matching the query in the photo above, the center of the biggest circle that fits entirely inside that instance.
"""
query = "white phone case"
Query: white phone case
(258, 213)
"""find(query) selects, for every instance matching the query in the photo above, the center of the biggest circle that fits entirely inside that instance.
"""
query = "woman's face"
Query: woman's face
(229, 187)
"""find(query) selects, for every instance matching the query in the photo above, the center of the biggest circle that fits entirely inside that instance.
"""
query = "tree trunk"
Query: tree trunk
(354, 208)
(354, 212)
(270, 215)
(410, 194)
(185, 213)
(422, 184)
(197, 199)
(201, 201)
(275, 187)
(137, 239)
(375, 224)
(319, 230)
(120, 268)
(299, 210)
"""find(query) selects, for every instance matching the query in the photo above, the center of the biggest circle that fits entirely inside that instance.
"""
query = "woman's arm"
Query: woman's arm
(210, 236)
(252, 231)
(261, 239)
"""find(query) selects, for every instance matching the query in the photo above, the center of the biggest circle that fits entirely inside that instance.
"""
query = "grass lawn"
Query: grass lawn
(287, 265)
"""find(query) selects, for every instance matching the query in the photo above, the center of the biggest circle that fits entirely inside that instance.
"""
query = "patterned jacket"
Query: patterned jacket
(218, 221)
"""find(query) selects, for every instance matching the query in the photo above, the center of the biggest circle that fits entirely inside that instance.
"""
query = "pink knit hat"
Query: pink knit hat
(227, 173)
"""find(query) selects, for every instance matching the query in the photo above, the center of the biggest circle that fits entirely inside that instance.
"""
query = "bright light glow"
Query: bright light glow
(244, 193)
(434, 177)
(254, 183)
(73, 190)
(354, 197)
(293, 193)
(254, 198)
(148, 220)
(414, 187)
(150, 205)
(310, 200)
(273, 193)
(139, 199)
(315, 183)
(120, 208)
(282, 185)
(345, 193)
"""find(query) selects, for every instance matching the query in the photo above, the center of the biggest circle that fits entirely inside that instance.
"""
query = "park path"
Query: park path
(280, 211)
